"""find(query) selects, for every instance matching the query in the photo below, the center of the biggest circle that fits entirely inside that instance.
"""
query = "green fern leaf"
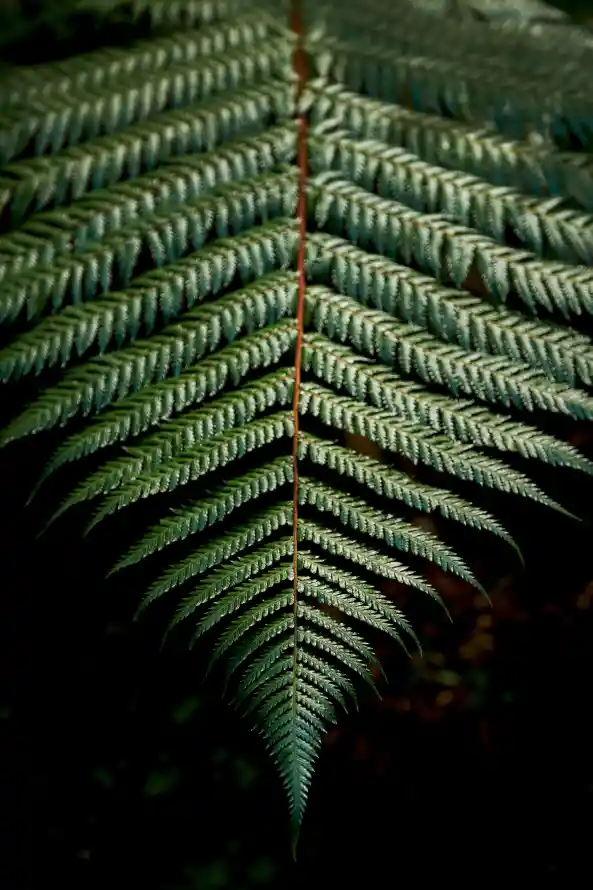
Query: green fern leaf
(253, 564)
(178, 231)
(157, 403)
(475, 149)
(562, 354)
(196, 517)
(394, 485)
(262, 525)
(217, 269)
(460, 419)
(195, 463)
(32, 184)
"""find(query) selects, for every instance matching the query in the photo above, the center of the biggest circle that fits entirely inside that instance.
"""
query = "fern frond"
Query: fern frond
(406, 28)
(236, 573)
(563, 354)
(30, 185)
(395, 485)
(275, 667)
(43, 237)
(419, 444)
(166, 236)
(238, 597)
(118, 318)
(460, 419)
(466, 91)
(446, 249)
(261, 525)
(221, 270)
(546, 227)
(412, 349)
(97, 69)
(62, 121)
(356, 514)
(214, 508)
(475, 149)
(337, 544)
(197, 442)
(157, 403)
(175, 14)
(92, 386)
(347, 593)
(296, 716)
(278, 678)
(189, 466)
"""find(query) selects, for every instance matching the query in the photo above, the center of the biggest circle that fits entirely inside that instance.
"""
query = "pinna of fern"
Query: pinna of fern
(201, 352)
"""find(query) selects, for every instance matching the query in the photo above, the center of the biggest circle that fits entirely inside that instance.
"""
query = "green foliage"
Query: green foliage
(149, 260)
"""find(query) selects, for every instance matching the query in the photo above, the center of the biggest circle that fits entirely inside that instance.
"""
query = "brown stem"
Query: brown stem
(300, 68)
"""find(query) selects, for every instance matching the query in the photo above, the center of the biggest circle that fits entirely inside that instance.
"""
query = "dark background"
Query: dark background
(119, 767)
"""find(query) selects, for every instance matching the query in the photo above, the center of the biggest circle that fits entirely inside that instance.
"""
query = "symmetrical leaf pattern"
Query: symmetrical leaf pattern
(210, 326)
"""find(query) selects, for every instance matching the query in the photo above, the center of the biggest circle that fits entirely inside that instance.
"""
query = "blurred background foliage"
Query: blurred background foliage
(119, 767)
